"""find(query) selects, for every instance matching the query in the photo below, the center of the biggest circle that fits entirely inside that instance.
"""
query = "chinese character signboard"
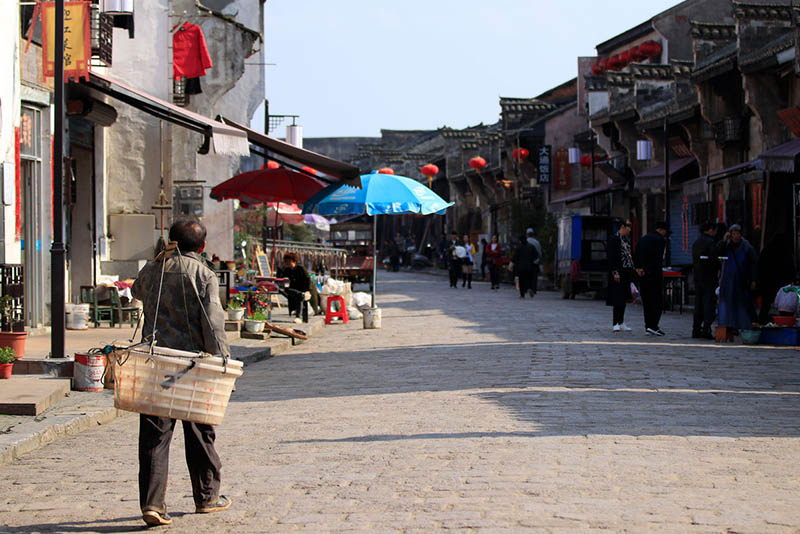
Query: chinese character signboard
(563, 170)
(77, 40)
(545, 164)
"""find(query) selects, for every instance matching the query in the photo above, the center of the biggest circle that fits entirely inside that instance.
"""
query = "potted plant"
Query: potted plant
(236, 307)
(230, 265)
(7, 358)
(259, 307)
(8, 338)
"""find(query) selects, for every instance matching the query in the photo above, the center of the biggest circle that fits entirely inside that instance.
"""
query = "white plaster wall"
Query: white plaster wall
(9, 117)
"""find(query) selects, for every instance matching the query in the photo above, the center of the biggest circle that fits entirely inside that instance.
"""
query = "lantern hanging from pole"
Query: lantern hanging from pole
(643, 149)
(519, 154)
(586, 161)
(429, 170)
(574, 155)
(477, 163)
(386, 170)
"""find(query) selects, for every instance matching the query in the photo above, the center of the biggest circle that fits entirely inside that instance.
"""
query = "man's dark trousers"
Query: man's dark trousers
(705, 309)
(652, 292)
(155, 435)
(455, 271)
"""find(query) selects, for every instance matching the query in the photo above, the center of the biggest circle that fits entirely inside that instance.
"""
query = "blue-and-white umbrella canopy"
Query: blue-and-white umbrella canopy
(380, 194)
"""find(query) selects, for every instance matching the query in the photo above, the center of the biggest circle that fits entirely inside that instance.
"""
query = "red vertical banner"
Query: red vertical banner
(562, 170)
(18, 187)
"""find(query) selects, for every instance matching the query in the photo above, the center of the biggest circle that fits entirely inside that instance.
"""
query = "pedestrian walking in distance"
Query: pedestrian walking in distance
(524, 261)
(706, 278)
(484, 258)
(467, 262)
(620, 262)
(538, 246)
(494, 253)
(649, 262)
(181, 324)
(453, 260)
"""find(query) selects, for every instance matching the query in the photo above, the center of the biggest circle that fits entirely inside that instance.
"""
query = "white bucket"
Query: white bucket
(87, 373)
(372, 317)
(254, 327)
(77, 316)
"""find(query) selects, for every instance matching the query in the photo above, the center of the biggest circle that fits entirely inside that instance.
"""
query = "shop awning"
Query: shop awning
(732, 171)
(675, 165)
(340, 170)
(226, 140)
(607, 188)
(781, 158)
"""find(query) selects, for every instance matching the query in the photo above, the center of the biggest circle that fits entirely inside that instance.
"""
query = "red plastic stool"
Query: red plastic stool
(341, 314)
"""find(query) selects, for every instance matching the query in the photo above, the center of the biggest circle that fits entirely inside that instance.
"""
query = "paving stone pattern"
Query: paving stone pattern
(469, 411)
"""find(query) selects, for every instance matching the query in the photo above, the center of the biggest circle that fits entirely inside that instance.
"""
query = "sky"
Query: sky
(353, 67)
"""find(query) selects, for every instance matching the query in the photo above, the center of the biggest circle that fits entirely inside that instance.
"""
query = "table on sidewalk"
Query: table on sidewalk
(674, 287)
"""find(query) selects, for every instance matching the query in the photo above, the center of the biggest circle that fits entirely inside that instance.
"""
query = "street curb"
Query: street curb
(54, 427)
(59, 427)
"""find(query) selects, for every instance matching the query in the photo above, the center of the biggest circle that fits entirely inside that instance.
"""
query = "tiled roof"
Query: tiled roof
(742, 10)
(713, 32)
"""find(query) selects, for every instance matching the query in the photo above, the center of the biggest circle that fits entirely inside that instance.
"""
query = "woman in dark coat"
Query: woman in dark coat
(620, 263)
(525, 257)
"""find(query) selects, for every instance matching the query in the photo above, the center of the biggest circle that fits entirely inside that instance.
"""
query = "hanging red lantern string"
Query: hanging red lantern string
(637, 54)
(650, 48)
(520, 153)
(386, 170)
(600, 66)
(477, 163)
(586, 161)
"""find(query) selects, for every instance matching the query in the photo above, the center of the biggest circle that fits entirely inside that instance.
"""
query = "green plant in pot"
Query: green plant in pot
(259, 313)
(9, 338)
(7, 357)
(236, 307)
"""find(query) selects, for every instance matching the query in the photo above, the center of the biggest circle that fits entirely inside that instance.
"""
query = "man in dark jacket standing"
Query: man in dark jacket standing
(706, 278)
(649, 262)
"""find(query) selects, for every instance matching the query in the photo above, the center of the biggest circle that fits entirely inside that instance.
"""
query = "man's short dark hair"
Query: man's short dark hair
(189, 234)
(708, 226)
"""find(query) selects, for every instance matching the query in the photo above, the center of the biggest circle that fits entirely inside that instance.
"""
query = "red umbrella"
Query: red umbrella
(268, 185)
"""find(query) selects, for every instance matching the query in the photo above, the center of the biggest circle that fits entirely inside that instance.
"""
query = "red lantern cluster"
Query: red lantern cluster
(429, 170)
(620, 61)
(386, 170)
(477, 163)
(586, 161)
(520, 153)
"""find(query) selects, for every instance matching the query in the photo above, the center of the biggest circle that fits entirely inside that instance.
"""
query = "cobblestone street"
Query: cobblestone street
(469, 411)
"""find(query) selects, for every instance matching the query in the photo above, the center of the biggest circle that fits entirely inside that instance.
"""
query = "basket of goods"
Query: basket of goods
(173, 383)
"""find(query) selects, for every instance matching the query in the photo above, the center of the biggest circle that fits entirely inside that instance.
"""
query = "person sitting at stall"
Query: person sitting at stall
(299, 284)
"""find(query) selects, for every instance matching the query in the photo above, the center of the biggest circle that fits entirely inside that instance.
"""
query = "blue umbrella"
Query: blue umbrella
(380, 194)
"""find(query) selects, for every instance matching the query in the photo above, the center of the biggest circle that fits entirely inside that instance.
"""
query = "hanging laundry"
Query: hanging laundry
(125, 22)
(192, 86)
(190, 56)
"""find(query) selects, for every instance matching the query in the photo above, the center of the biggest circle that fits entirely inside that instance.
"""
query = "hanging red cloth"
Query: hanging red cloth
(190, 56)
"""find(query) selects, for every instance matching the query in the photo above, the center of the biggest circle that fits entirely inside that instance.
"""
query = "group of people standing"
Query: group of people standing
(462, 255)
(726, 268)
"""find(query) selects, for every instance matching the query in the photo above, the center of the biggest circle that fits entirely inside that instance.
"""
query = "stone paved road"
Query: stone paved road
(470, 411)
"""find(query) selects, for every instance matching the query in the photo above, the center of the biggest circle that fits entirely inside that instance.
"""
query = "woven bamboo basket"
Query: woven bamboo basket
(173, 383)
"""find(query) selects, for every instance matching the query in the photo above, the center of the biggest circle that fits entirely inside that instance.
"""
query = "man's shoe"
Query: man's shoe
(660, 332)
(223, 503)
(707, 335)
(156, 519)
(653, 332)
(625, 328)
(616, 328)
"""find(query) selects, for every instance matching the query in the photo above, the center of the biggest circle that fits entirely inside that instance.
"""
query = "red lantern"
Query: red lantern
(309, 170)
(637, 54)
(429, 170)
(586, 161)
(520, 153)
(650, 48)
(626, 56)
(273, 164)
(477, 163)
(386, 170)
(599, 67)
